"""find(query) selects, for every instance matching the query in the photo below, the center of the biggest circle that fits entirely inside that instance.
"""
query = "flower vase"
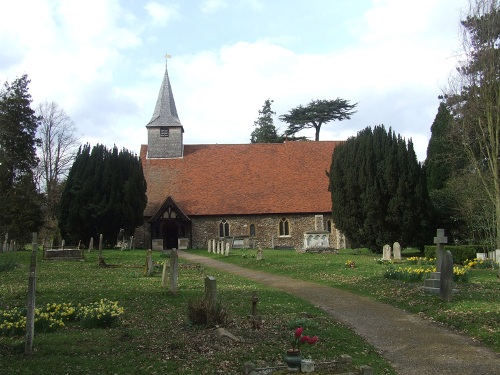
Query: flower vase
(293, 359)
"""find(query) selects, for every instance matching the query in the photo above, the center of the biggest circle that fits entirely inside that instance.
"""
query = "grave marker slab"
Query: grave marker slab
(446, 282)
(386, 252)
(174, 267)
(396, 250)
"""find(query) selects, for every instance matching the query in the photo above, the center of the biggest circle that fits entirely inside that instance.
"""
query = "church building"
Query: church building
(272, 195)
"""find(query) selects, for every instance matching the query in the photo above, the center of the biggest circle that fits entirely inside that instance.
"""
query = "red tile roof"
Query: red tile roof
(237, 179)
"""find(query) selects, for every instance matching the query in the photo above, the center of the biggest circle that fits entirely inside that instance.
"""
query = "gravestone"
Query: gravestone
(211, 290)
(174, 266)
(101, 259)
(386, 252)
(227, 249)
(209, 246)
(260, 254)
(446, 283)
(255, 320)
(164, 274)
(91, 244)
(149, 263)
(396, 250)
(440, 240)
(131, 244)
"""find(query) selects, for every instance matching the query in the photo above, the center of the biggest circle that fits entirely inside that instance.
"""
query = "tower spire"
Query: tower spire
(165, 113)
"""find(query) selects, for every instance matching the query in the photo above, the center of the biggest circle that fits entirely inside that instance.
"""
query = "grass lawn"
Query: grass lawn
(155, 335)
(474, 310)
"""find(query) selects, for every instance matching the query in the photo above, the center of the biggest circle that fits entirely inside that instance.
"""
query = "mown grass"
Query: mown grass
(155, 336)
(474, 310)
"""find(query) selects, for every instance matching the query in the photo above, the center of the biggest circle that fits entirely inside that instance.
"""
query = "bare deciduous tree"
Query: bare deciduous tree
(58, 148)
(474, 98)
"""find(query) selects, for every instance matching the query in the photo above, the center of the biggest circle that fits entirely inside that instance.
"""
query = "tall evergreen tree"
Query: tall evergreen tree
(20, 203)
(378, 190)
(265, 131)
(105, 192)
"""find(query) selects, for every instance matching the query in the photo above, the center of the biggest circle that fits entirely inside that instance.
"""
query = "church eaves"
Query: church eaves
(165, 113)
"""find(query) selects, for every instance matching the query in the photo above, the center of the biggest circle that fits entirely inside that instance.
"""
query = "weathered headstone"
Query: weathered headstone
(164, 274)
(228, 246)
(63, 243)
(446, 283)
(260, 254)
(174, 267)
(440, 240)
(149, 263)
(101, 259)
(255, 320)
(131, 244)
(396, 250)
(211, 290)
(91, 244)
(30, 313)
(386, 252)
(209, 246)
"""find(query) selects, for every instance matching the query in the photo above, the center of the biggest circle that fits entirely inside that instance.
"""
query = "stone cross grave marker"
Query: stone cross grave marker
(211, 290)
(396, 250)
(440, 240)
(386, 252)
(174, 268)
(446, 281)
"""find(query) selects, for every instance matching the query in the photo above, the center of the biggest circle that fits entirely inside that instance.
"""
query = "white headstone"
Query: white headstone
(209, 246)
(227, 249)
(386, 254)
(396, 250)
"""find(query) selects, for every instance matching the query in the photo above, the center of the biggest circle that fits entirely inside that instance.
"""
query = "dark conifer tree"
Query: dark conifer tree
(105, 192)
(20, 202)
(378, 190)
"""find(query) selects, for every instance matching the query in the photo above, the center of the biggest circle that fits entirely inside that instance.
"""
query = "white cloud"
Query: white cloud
(212, 6)
(160, 13)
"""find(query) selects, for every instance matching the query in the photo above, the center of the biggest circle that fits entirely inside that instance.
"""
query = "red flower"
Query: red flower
(312, 340)
(298, 332)
(304, 339)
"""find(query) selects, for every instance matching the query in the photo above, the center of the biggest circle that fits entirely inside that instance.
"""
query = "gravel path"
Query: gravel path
(413, 345)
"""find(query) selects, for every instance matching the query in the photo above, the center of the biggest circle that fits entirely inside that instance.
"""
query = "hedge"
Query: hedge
(460, 253)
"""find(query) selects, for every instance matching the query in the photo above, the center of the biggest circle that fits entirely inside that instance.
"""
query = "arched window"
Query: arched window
(328, 225)
(223, 228)
(252, 230)
(284, 227)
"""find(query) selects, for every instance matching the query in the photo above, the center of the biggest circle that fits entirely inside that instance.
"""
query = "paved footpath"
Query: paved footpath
(414, 346)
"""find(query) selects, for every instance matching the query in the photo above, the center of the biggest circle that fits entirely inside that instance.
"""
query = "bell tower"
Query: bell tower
(165, 131)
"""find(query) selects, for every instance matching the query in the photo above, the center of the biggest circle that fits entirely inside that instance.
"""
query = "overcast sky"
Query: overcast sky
(103, 61)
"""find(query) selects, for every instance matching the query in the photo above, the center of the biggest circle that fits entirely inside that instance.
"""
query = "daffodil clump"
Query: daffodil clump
(52, 316)
(101, 314)
(481, 263)
(422, 261)
(412, 274)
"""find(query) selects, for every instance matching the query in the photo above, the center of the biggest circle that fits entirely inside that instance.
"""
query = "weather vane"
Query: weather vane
(167, 56)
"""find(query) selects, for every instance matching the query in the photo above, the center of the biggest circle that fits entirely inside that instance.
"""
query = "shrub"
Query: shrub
(7, 265)
(201, 312)
(460, 253)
